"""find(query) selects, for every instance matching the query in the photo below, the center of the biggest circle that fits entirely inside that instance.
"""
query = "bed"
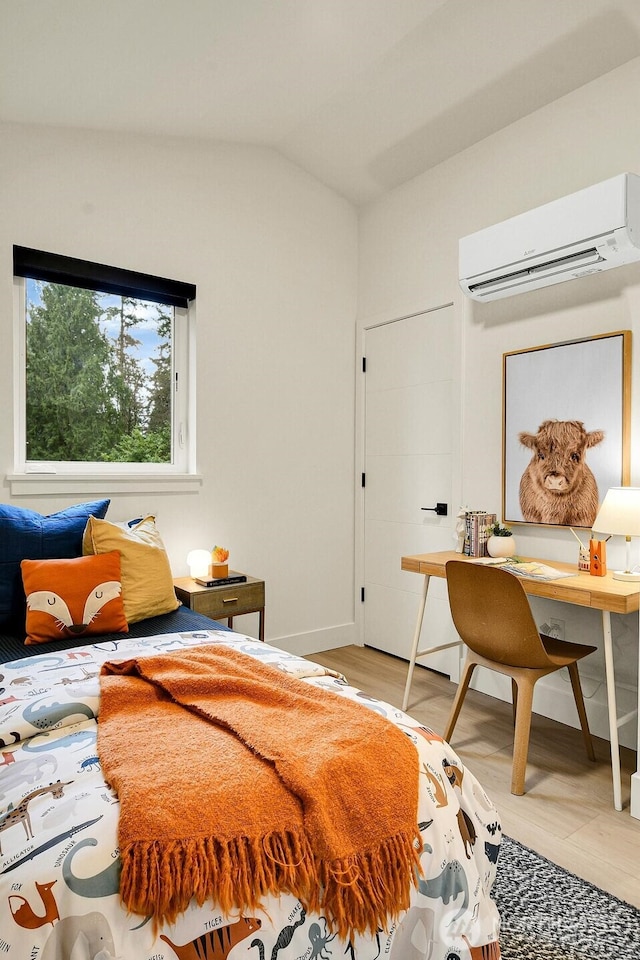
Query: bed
(60, 863)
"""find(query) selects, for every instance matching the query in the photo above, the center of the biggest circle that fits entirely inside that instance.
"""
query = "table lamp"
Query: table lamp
(198, 562)
(620, 515)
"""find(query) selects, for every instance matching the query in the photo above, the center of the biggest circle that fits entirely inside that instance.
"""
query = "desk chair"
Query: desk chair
(491, 613)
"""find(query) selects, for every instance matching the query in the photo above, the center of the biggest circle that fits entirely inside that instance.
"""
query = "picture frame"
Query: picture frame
(566, 429)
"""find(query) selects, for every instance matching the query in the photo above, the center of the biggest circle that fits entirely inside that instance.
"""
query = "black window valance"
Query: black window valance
(55, 268)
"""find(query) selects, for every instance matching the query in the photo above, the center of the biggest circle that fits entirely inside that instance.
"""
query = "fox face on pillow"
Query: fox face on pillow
(46, 601)
(77, 597)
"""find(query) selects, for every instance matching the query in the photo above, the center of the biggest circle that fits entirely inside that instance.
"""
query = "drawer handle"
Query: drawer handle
(229, 599)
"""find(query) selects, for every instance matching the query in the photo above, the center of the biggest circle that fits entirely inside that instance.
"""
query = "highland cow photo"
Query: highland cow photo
(566, 429)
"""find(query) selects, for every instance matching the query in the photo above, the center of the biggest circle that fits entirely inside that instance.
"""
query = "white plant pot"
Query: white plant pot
(501, 546)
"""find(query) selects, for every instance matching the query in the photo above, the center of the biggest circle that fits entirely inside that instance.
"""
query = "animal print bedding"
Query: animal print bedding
(59, 866)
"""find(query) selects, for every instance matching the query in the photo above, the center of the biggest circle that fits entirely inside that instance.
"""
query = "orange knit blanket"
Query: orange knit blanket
(237, 781)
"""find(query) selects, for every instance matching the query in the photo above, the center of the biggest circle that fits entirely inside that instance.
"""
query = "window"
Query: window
(103, 368)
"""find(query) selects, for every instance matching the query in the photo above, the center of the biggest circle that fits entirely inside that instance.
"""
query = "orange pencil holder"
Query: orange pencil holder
(597, 558)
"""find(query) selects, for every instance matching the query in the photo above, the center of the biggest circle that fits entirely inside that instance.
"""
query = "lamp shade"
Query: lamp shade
(198, 562)
(620, 512)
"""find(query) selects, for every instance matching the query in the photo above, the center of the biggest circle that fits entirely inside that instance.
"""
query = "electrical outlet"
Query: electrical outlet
(556, 628)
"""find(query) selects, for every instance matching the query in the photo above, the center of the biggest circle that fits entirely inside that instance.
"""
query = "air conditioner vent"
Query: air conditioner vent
(573, 262)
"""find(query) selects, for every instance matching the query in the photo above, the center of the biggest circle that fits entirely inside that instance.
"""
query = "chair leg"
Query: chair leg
(514, 700)
(582, 713)
(467, 673)
(522, 731)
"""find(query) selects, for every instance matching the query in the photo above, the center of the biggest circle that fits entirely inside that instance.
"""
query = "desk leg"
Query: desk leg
(613, 710)
(416, 641)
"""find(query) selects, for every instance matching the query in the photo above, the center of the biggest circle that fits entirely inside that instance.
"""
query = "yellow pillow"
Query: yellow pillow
(147, 584)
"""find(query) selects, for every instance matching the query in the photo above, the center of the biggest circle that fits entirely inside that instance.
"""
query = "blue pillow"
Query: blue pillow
(27, 535)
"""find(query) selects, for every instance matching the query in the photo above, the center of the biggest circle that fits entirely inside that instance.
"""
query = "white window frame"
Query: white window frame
(42, 478)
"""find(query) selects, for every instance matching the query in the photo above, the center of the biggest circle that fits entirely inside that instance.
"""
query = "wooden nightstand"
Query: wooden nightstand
(225, 602)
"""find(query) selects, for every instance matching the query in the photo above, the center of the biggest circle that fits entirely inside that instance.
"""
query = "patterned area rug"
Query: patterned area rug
(550, 914)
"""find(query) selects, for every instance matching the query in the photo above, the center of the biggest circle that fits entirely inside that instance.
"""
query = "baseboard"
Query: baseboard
(315, 641)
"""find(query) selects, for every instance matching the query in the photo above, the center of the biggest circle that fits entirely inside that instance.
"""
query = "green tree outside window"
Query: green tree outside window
(98, 376)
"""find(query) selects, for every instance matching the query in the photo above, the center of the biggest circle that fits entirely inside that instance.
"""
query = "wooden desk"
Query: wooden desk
(601, 593)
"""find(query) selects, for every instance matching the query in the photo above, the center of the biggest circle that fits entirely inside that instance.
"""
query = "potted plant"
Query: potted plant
(219, 567)
(501, 542)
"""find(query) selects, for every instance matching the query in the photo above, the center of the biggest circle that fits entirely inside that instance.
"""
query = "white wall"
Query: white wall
(408, 262)
(273, 255)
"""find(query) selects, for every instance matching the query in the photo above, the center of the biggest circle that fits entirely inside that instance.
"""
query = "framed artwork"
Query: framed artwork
(566, 429)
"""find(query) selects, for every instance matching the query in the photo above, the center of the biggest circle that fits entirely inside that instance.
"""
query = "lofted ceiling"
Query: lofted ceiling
(363, 94)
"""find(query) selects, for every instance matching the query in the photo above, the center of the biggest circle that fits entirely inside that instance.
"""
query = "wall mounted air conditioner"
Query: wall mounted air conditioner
(588, 231)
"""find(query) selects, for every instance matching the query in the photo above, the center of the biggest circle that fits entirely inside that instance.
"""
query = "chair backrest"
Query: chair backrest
(492, 615)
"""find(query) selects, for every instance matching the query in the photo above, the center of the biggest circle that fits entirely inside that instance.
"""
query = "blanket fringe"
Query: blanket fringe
(368, 892)
(159, 879)
(363, 893)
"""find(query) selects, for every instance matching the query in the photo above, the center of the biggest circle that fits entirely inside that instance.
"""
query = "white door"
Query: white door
(411, 440)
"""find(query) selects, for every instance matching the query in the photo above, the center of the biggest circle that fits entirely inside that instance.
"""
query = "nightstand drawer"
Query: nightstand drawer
(230, 601)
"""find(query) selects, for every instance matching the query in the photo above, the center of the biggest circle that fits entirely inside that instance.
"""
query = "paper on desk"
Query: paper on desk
(535, 571)
(490, 561)
(524, 568)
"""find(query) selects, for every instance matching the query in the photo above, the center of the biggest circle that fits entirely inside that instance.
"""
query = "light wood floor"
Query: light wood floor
(567, 813)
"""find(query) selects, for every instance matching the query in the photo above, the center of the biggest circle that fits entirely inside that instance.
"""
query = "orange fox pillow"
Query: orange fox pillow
(79, 597)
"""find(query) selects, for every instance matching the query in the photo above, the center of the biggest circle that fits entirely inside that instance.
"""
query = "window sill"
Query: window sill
(50, 484)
